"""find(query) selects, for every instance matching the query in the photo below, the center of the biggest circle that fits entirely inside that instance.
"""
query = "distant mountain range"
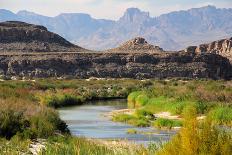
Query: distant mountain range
(172, 31)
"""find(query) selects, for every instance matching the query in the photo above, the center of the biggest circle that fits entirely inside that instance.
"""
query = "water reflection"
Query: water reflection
(88, 121)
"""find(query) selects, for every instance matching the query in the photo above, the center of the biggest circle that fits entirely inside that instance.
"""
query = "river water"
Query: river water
(88, 120)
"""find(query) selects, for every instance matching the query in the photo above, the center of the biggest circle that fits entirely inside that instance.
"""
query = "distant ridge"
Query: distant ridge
(171, 31)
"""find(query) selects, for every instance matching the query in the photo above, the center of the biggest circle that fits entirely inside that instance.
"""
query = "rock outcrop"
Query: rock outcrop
(134, 59)
(137, 44)
(222, 47)
(22, 37)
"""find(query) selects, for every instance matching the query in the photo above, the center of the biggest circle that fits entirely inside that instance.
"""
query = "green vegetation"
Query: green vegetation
(198, 138)
(14, 146)
(167, 123)
(27, 113)
(213, 98)
(141, 118)
(221, 116)
(132, 131)
(73, 146)
(67, 145)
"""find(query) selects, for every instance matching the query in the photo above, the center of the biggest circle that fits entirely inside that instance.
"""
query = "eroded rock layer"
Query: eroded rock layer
(222, 47)
(117, 65)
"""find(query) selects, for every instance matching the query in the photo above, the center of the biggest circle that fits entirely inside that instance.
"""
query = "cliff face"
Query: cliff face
(23, 37)
(117, 65)
(136, 58)
(222, 47)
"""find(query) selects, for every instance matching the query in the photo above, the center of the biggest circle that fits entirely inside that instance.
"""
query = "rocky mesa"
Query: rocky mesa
(222, 47)
(18, 36)
(134, 59)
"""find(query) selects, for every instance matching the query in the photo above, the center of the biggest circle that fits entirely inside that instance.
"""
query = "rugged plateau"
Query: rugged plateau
(30, 51)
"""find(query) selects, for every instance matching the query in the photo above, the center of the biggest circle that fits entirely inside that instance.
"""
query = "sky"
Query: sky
(108, 9)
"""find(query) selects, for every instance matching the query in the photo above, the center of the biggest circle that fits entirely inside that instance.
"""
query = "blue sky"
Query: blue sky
(110, 9)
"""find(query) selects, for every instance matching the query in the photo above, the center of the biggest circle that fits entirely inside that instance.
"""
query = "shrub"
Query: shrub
(46, 123)
(141, 100)
(11, 122)
(131, 98)
(64, 100)
(123, 118)
(195, 138)
(132, 131)
(141, 113)
(201, 107)
(167, 123)
(142, 122)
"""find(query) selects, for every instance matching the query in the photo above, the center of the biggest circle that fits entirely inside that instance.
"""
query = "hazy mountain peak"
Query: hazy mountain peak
(212, 7)
(26, 13)
(134, 14)
(5, 11)
(83, 15)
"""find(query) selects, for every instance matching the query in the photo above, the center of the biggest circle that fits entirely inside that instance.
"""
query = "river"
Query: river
(88, 120)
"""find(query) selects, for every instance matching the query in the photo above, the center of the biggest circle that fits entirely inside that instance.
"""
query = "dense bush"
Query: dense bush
(131, 99)
(64, 100)
(11, 122)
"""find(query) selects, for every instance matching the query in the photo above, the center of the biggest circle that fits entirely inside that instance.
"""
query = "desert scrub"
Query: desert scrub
(166, 123)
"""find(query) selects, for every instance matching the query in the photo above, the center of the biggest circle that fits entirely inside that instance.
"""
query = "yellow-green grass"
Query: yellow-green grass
(198, 137)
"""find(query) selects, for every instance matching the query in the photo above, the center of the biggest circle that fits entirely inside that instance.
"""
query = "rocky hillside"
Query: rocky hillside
(137, 44)
(22, 37)
(222, 47)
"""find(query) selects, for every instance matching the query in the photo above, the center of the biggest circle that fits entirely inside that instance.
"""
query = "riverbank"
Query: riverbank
(27, 110)
(202, 108)
(162, 104)
(27, 107)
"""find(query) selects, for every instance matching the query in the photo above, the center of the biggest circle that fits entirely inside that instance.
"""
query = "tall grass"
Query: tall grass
(174, 96)
(221, 116)
(198, 138)
(69, 145)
